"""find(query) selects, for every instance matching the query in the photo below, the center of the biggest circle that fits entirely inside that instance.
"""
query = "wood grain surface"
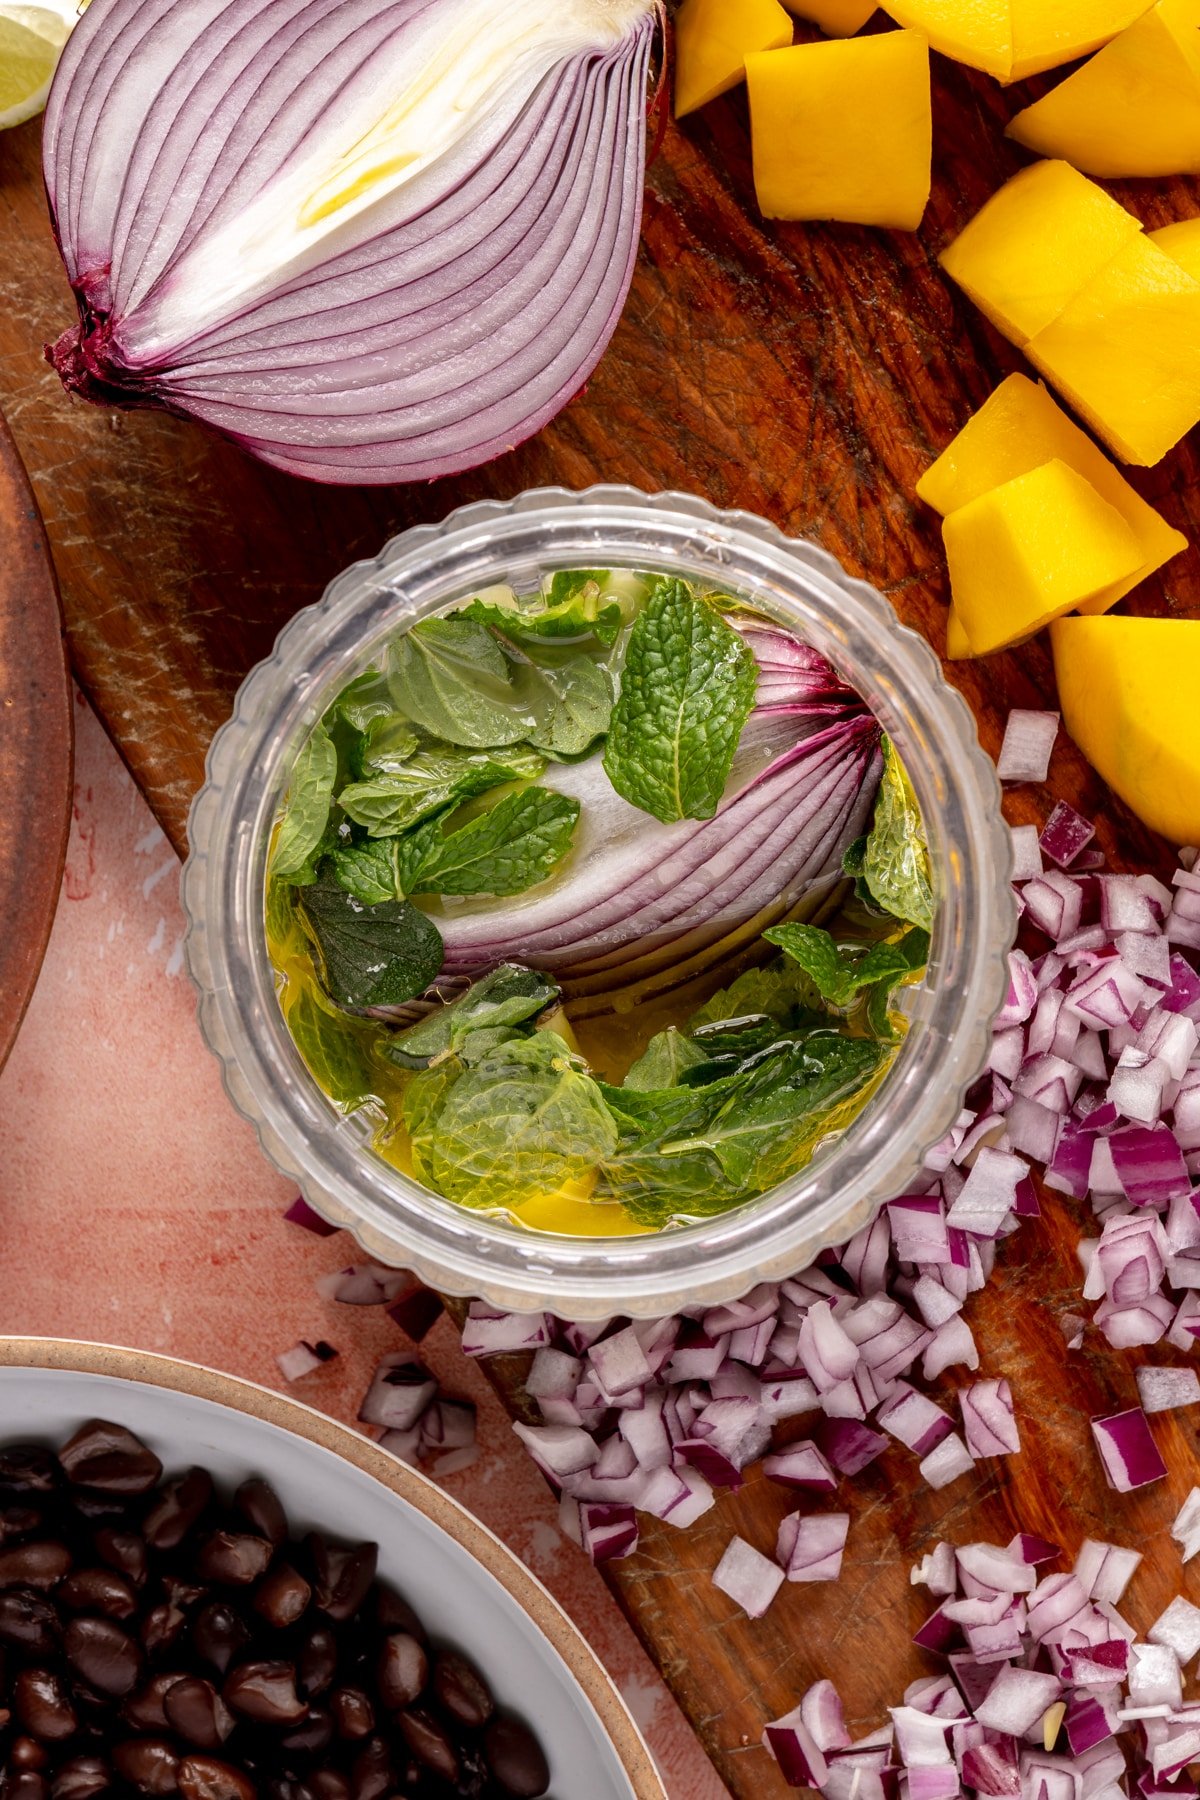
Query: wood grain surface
(35, 743)
(809, 374)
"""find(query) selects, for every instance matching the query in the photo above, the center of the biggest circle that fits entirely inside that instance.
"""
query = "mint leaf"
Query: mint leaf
(577, 612)
(781, 990)
(520, 1124)
(451, 677)
(388, 743)
(896, 857)
(841, 975)
(572, 705)
(687, 689)
(507, 997)
(360, 701)
(310, 797)
(338, 1062)
(505, 850)
(664, 1061)
(381, 956)
(432, 779)
(568, 584)
(384, 868)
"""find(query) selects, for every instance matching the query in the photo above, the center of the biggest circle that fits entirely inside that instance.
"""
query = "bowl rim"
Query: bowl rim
(176, 1374)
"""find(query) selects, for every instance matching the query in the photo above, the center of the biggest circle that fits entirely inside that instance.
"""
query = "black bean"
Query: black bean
(515, 1758)
(80, 1778)
(264, 1692)
(43, 1707)
(98, 1590)
(260, 1506)
(372, 1773)
(313, 1734)
(37, 1563)
(28, 1622)
(403, 1670)
(234, 1558)
(124, 1551)
(106, 1657)
(206, 1778)
(218, 1633)
(328, 1784)
(26, 1784)
(343, 1575)
(28, 1469)
(183, 1593)
(177, 1509)
(461, 1690)
(18, 1522)
(353, 1714)
(145, 1709)
(26, 1752)
(282, 1596)
(149, 1764)
(318, 1661)
(429, 1742)
(197, 1712)
(109, 1457)
(161, 1628)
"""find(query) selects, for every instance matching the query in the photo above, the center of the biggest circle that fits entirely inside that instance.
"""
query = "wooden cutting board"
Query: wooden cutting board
(808, 374)
(35, 743)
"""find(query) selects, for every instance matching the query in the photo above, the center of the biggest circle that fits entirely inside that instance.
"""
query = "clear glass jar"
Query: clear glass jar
(435, 566)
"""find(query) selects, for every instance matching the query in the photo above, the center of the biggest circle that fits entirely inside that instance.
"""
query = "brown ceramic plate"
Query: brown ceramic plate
(35, 742)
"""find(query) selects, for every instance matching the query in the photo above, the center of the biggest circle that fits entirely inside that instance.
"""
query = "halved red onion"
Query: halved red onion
(371, 243)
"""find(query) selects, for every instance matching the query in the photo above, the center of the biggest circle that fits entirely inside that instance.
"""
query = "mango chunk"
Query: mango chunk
(1134, 109)
(958, 644)
(1018, 429)
(1181, 243)
(1031, 550)
(1040, 239)
(1126, 352)
(1128, 691)
(839, 18)
(843, 130)
(976, 32)
(1048, 33)
(712, 39)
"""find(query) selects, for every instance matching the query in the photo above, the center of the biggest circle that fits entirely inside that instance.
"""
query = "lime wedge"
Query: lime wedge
(31, 38)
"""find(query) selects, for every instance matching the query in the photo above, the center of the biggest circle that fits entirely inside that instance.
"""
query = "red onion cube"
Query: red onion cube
(1054, 903)
(991, 1769)
(810, 1548)
(1184, 995)
(553, 1375)
(1154, 1678)
(848, 1445)
(989, 1422)
(562, 1450)
(801, 1763)
(1098, 1665)
(1017, 1700)
(1186, 1529)
(1065, 834)
(1164, 1390)
(913, 1419)
(1127, 1450)
(1087, 1723)
(1149, 1165)
(677, 1496)
(1026, 852)
(490, 1332)
(937, 1570)
(401, 1389)
(608, 1532)
(946, 1462)
(951, 1344)
(619, 1363)
(918, 1227)
(750, 1579)
(801, 1465)
(301, 1213)
(920, 1739)
(828, 1355)
(1179, 1629)
(1104, 1570)
(1027, 746)
(297, 1362)
(989, 1193)
(822, 1712)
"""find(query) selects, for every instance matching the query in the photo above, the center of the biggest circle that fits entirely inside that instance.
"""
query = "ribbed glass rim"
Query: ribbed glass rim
(432, 566)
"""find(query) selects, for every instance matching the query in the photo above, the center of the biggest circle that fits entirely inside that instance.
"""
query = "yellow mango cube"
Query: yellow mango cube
(1048, 33)
(1018, 429)
(1128, 688)
(1181, 243)
(976, 32)
(1134, 109)
(712, 40)
(1031, 550)
(1035, 244)
(1126, 352)
(958, 644)
(839, 18)
(843, 130)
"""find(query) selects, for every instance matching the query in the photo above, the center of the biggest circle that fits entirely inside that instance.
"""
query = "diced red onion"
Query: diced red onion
(1028, 744)
(823, 1714)
(1027, 852)
(489, 1332)
(801, 1465)
(1065, 835)
(1165, 1390)
(1186, 1529)
(810, 1547)
(1179, 1629)
(1128, 1452)
(400, 1391)
(1017, 1700)
(607, 1531)
(299, 1361)
(790, 1742)
(946, 1462)
(750, 1579)
(301, 1213)
(366, 1284)
(1104, 1570)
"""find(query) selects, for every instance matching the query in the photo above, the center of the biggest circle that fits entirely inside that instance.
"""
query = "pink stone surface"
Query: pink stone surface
(135, 1208)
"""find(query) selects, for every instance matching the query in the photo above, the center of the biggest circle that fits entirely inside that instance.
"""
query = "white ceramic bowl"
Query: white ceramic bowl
(466, 1586)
